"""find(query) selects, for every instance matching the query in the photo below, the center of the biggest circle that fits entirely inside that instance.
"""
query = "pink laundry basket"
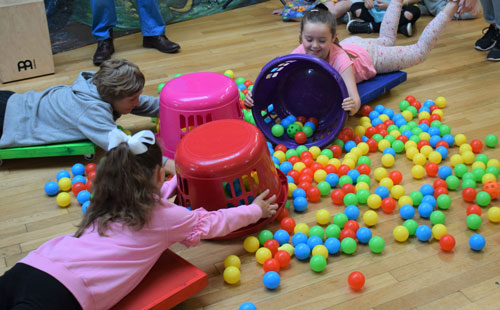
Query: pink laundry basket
(193, 99)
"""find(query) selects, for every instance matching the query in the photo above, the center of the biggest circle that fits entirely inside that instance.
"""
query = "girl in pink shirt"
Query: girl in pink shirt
(128, 225)
(358, 59)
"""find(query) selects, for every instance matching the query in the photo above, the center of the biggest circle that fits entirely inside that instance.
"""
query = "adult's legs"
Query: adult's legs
(491, 12)
(152, 23)
(103, 18)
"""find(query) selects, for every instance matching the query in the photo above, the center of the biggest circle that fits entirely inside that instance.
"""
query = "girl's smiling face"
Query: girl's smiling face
(317, 39)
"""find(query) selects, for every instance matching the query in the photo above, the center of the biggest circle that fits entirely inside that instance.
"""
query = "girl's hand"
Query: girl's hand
(267, 205)
(169, 166)
(369, 4)
(248, 100)
(382, 4)
(349, 104)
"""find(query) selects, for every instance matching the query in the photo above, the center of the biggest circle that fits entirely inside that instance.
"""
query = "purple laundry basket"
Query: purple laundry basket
(300, 85)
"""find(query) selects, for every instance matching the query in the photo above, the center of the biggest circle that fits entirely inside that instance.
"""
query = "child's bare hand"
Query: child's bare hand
(369, 4)
(349, 104)
(248, 100)
(267, 205)
(382, 4)
(169, 166)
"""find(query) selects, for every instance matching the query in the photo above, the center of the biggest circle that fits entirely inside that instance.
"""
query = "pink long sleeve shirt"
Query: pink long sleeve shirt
(100, 271)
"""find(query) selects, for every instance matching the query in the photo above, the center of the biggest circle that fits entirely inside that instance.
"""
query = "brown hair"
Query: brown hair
(118, 79)
(125, 189)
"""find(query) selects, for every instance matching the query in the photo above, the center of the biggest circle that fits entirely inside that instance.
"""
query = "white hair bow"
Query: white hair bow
(135, 142)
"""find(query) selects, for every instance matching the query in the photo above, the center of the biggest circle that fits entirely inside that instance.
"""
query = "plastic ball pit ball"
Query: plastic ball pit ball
(232, 260)
(271, 264)
(247, 306)
(494, 214)
(424, 233)
(263, 254)
(491, 141)
(348, 245)
(400, 233)
(63, 199)
(78, 169)
(477, 242)
(62, 174)
(65, 184)
(356, 280)
(370, 218)
(51, 188)
(283, 257)
(302, 251)
(272, 245)
(447, 243)
(474, 221)
(438, 231)
(231, 275)
(317, 263)
(376, 244)
(251, 244)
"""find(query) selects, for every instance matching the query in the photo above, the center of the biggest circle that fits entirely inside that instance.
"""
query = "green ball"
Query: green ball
(377, 137)
(468, 176)
(391, 128)
(411, 225)
(308, 131)
(332, 230)
(291, 152)
(277, 130)
(324, 188)
(240, 80)
(415, 139)
(436, 123)
(478, 174)
(416, 197)
(344, 180)
(287, 204)
(483, 198)
(452, 182)
(364, 160)
(413, 110)
(340, 219)
(437, 217)
(403, 105)
(398, 146)
(317, 231)
(376, 244)
(242, 96)
(493, 170)
(339, 143)
(443, 201)
(416, 131)
(444, 130)
(177, 75)
(291, 130)
(491, 140)
(348, 245)
(469, 183)
(474, 221)
(317, 263)
(460, 170)
(160, 87)
(301, 148)
(404, 128)
(327, 152)
(390, 138)
(250, 88)
(363, 195)
(265, 235)
(482, 158)
(363, 178)
(350, 199)
(412, 124)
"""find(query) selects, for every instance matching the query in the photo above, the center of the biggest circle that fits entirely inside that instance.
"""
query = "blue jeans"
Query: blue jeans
(491, 11)
(104, 18)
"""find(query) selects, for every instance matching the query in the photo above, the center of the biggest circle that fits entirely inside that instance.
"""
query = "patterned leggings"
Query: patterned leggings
(388, 58)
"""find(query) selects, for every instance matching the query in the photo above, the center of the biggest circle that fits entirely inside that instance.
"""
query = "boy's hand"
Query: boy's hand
(267, 205)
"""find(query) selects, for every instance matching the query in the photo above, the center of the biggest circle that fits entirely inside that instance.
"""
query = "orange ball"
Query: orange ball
(492, 188)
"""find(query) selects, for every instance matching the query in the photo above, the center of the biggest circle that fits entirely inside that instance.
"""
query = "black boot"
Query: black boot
(105, 49)
(161, 43)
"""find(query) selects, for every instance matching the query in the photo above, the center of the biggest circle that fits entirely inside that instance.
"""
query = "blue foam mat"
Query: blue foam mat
(380, 84)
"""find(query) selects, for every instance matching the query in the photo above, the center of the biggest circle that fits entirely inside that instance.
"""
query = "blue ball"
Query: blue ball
(298, 192)
(302, 251)
(63, 174)
(424, 127)
(424, 109)
(398, 116)
(427, 189)
(349, 145)
(389, 150)
(354, 174)
(299, 238)
(78, 169)
(352, 212)
(434, 140)
(389, 112)
(408, 133)
(449, 139)
(242, 87)
(443, 151)
(271, 280)
(83, 196)
(365, 138)
(291, 118)
(332, 179)
(373, 115)
(282, 236)
(407, 212)
(376, 121)
(289, 179)
(285, 123)
(51, 188)
(332, 245)
(424, 233)
(314, 241)
(429, 199)
(477, 242)
(286, 166)
(382, 191)
(433, 131)
(269, 145)
(379, 108)
(444, 172)
(400, 122)
(85, 206)
(300, 204)
(425, 210)
(79, 178)
(364, 234)
(275, 160)
(247, 306)
(428, 103)
(310, 124)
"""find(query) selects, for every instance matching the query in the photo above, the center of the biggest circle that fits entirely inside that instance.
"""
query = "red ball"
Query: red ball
(383, 132)
(295, 175)
(316, 166)
(271, 264)
(492, 188)
(314, 120)
(348, 188)
(410, 99)
(365, 110)
(78, 187)
(447, 242)
(294, 159)
(388, 122)
(422, 143)
(364, 169)
(300, 137)
(474, 209)
(330, 169)
(431, 169)
(91, 175)
(372, 145)
(248, 83)
(288, 224)
(476, 146)
(307, 171)
(283, 257)
(89, 185)
(442, 143)
(388, 205)
(348, 132)
(435, 117)
(439, 183)
(305, 178)
(343, 169)
(245, 91)
(352, 225)
(357, 139)
(370, 131)
(90, 167)
(440, 191)
(356, 280)
(347, 233)
(306, 154)
(424, 121)
(469, 194)
(381, 126)
(272, 245)
(396, 176)
(403, 138)
(308, 161)
(433, 107)
(336, 150)
(337, 196)
(304, 185)
(280, 147)
(313, 194)
(282, 214)
(343, 137)
(302, 119)
(416, 104)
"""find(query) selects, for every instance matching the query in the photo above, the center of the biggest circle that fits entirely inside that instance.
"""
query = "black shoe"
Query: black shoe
(406, 29)
(494, 54)
(104, 51)
(489, 39)
(346, 18)
(355, 26)
(161, 43)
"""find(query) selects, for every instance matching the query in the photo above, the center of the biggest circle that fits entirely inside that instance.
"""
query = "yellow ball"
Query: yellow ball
(350, 163)
(488, 177)
(387, 182)
(424, 136)
(63, 199)
(299, 124)
(229, 73)
(335, 162)
(251, 244)
(287, 247)
(405, 200)
(384, 117)
(440, 101)
(419, 159)
(315, 151)
(65, 184)
(366, 124)
(424, 115)
(280, 155)
(410, 144)
(387, 160)
(426, 150)
(322, 159)
(129, 133)
(351, 156)
(383, 144)
(460, 139)
(374, 201)
(356, 151)
(418, 172)
(370, 218)
(365, 119)
(438, 231)
(411, 152)
(291, 188)
(464, 148)
(299, 166)
(320, 250)
(359, 131)
(456, 159)
(407, 115)
(468, 157)
(380, 173)
(263, 254)
(494, 214)
(363, 146)
(438, 112)
(397, 191)
(395, 133)
(400, 233)
(231, 275)
(435, 157)
(232, 260)
(361, 185)
(323, 216)
(478, 164)
(301, 227)
(493, 162)
(319, 175)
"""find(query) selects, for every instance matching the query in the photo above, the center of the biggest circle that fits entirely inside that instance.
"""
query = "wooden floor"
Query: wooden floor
(410, 275)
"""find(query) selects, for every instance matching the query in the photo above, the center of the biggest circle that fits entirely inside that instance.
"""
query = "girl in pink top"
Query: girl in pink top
(128, 225)
(358, 59)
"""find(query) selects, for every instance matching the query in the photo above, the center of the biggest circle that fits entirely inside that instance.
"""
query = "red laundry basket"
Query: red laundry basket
(224, 164)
